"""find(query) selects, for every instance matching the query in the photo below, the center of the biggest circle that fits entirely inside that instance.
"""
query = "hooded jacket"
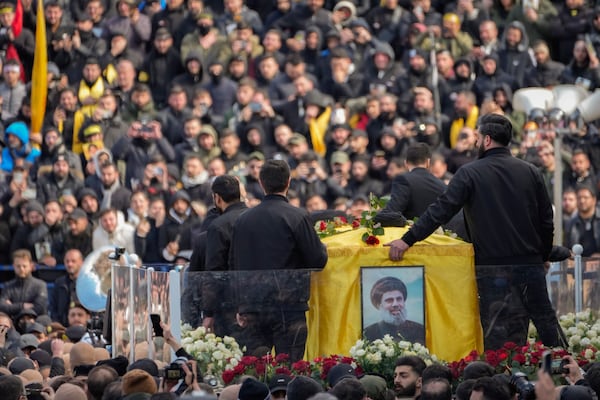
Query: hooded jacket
(20, 130)
(515, 61)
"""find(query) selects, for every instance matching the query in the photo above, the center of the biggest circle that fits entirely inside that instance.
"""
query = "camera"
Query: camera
(158, 171)
(95, 323)
(312, 170)
(525, 389)
(174, 372)
(559, 367)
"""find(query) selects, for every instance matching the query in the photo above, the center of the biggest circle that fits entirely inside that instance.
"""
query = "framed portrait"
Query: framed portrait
(393, 302)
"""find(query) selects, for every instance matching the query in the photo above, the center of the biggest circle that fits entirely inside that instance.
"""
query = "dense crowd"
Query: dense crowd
(149, 102)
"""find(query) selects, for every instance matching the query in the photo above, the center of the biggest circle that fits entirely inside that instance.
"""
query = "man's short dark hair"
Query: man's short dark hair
(497, 127)
(275, 176)
(99, 378)
(436, 371)
(11, 387)
(302, 388)
(227, 187)
(463, 390)
(416, 363)
(478, 369)
(436, 389)
(349, 389)
(384, 285)
(418, 153)
(491, 389)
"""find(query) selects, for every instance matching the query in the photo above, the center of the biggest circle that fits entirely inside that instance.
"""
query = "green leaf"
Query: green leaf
(365, 236)
(378, 231)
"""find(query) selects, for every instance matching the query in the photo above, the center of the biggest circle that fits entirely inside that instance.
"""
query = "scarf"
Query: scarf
(107, 195)
(191, 181)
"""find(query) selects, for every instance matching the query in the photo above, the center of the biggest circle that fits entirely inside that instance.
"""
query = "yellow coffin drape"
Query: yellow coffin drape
(451, 307)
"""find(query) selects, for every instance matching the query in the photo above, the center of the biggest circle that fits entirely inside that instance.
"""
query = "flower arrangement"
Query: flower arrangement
(582, 331)
(337, 225)
(330, 227)
(214, 354)
(510, 359)
(367, 221)
(263, 368)
(379, 356)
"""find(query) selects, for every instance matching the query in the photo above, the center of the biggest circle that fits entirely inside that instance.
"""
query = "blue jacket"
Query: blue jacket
(19, 129)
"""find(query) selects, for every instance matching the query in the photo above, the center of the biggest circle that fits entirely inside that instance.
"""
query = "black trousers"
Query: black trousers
(285, 330)
(511, 295)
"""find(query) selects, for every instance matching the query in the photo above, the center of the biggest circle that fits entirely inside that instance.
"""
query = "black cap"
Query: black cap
(252, 389)
(339, 372)
(162, 33)
(27, 311)
(279, 382)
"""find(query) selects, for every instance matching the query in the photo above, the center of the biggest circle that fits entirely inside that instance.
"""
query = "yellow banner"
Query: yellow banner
(39, 76)
(451, 306)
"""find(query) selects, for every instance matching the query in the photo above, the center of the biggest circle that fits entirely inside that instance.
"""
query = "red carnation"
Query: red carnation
(344, 220)
(323, 226)
(355, 224)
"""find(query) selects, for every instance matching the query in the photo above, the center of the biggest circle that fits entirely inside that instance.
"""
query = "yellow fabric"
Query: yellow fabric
(451, 307)
(39, 76)
(78, 120)
(318, 129)
(459, 123)
(110, 74)
(95, 91)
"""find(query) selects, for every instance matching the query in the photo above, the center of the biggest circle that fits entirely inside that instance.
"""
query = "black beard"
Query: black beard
(410, 390)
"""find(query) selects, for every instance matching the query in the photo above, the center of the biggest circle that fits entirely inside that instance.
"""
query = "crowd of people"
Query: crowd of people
(152, 106)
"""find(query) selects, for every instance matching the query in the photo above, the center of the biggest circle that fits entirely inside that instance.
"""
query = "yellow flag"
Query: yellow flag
(39, 76)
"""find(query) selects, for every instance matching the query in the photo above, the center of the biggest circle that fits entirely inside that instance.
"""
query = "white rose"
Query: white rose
(360, 353)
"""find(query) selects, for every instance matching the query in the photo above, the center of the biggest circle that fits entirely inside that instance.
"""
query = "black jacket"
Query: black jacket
(412, 193)
(507, 210)
(268, 242)
(19, 291)
(64, 288)
(216, 292)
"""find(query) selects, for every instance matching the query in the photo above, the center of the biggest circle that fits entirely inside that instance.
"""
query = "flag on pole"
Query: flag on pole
(39, 76)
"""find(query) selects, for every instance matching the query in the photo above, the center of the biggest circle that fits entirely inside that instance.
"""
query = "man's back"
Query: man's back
(507, 210)
(275, 235)
(414, 191)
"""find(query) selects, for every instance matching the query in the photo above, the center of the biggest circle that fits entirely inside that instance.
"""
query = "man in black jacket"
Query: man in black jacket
(413, 191)
(218, 306)
(65, 293)
(509, 217)
(24, 291)
(275, 244)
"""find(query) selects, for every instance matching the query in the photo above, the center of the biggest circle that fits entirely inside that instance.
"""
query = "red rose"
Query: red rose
(520, 358)
(227, 376)
(372, 240)
(323, 226)
(280, 358)
(510, 345)
(283, 371)
(344, 220)
(260, 368)
(355, 224)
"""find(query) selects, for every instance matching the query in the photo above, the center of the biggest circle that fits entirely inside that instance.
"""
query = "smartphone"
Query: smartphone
(547, 362)
(158, 330)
